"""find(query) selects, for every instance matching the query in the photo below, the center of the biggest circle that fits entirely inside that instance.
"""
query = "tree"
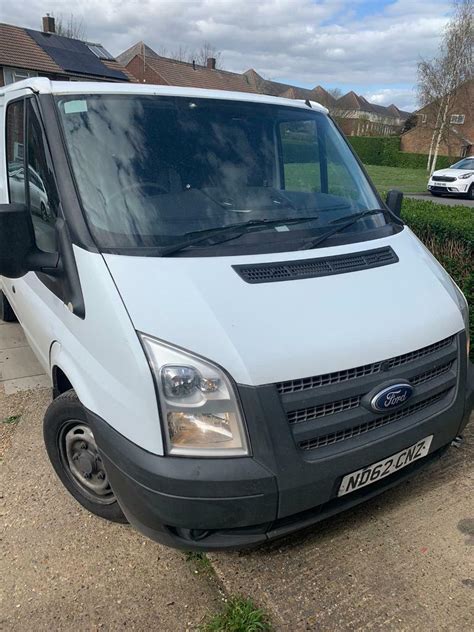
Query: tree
(71, 26)
(440, 78)
(197, 55)
(410, 123)
(335, 92)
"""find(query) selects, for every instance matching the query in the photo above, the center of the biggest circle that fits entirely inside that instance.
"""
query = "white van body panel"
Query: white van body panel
(101, 355)
(278, 331)
(46, 86)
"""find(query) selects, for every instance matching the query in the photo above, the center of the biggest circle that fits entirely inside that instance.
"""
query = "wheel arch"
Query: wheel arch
(65, 374)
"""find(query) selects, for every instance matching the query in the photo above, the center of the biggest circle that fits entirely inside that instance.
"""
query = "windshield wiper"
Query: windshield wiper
(231, 231)
(346, 221)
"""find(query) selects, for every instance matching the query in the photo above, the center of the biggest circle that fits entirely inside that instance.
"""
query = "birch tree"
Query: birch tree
(441, 77)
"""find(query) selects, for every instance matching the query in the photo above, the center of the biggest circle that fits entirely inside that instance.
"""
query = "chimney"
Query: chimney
(211, 63)
(48, 24)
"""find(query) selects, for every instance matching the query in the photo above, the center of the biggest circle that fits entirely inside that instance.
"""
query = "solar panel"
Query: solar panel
(73, 55)
(100, 52)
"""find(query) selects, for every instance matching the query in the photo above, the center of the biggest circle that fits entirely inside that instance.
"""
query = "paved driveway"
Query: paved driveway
(446, 201)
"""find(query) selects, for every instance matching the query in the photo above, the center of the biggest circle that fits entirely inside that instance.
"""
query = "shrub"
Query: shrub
(385, 151)
(448, 232)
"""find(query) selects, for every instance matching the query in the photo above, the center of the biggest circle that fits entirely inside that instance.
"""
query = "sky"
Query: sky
(369, 46)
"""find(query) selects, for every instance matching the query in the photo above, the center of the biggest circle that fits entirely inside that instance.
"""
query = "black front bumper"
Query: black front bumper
(209, 504)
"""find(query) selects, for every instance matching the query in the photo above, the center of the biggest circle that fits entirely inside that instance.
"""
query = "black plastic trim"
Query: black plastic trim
(298, 269)
(71, 207)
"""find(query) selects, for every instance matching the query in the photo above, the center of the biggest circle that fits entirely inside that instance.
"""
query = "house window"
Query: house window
(457, 119)
(10, 75)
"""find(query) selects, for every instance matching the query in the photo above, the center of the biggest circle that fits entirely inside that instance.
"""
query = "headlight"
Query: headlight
(199, 408)
(466, 175)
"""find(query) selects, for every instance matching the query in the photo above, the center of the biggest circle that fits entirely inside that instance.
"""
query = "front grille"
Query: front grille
(430, 375)
(314, 412)
(443, 179)
(307, 414)
(329, 409)
(378, 422)
(292, 386)
(322, 266)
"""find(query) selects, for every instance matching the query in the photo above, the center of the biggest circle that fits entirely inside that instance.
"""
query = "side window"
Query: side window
(299, 148)
(16, 152)
(41, 190)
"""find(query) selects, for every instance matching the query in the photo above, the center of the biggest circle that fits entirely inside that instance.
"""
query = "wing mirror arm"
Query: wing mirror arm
(46, 262)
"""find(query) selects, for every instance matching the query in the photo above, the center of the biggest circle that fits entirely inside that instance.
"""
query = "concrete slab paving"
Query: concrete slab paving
(11, 335)
(402, 561)
(19, 368)
(62, 568)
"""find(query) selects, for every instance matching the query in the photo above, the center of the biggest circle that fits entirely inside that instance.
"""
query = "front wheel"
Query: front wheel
(73, 453)
(470, 193)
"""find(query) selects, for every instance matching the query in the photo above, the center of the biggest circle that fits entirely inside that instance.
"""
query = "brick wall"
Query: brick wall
(418, 139)
(143, 72)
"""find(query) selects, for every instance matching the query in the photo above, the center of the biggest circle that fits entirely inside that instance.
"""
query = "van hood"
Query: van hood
(270, 332)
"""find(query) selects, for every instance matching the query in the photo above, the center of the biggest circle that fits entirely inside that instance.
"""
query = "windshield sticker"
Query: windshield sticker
(74, 107)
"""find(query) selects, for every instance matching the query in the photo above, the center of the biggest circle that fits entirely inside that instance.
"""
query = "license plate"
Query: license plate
(441, 184)
(381, 469)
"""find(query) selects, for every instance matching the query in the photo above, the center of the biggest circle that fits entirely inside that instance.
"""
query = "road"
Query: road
(446, 201)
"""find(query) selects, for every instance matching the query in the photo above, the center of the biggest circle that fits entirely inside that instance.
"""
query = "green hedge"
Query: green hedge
(448, 232)
(385, 151)
(295, 151)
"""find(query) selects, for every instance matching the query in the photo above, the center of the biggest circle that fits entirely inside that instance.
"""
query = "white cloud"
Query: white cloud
(328, 42)
(404, 98)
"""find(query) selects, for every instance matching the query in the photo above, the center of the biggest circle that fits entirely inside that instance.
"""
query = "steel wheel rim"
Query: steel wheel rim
(83, 463)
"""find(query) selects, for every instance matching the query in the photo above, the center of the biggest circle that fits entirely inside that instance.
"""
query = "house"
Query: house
(28, 53)
(354, 113)
(288, 91)
(149, 67)
(359, 117)
(458, 139)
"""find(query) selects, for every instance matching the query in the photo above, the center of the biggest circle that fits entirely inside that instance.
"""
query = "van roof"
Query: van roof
(42, 85)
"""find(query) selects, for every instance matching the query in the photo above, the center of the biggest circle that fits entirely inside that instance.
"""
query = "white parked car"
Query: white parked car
(457, 180)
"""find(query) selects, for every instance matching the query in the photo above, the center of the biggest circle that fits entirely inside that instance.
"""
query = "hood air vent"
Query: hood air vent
(322, 266)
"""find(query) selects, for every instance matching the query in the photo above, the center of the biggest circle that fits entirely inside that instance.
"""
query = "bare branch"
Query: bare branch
(70, 26)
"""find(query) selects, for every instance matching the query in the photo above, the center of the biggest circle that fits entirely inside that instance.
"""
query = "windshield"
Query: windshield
(152, 170)
(466, 163)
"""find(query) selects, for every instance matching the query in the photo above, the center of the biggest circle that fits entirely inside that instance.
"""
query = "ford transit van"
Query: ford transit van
(242, 337)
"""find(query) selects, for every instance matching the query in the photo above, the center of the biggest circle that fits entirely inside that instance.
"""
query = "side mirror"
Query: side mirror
(394, 201)
(18, 251)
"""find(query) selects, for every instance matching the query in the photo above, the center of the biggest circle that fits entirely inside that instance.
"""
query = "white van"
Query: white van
(242, 337)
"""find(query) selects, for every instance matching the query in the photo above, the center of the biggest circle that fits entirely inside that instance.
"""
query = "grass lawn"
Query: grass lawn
(305, 177)
(406, 180)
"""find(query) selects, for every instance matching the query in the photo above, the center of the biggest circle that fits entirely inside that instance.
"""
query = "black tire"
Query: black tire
(436, 194)
(67, 436)
(6, 312)
(470, 193)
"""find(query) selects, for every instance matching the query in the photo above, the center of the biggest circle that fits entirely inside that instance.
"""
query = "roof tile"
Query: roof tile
(180, 73)
(17, 49)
